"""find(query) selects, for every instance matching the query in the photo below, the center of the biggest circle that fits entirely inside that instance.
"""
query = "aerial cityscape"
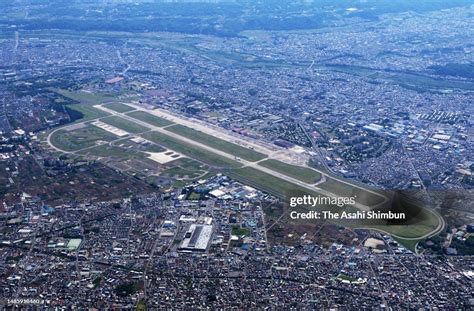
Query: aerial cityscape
(235, 154)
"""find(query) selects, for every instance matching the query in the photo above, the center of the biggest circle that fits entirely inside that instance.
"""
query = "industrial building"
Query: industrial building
(196, 238)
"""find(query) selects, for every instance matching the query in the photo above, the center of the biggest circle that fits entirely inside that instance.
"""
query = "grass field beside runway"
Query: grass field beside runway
(123, 124)
(83, 96)
(107, 151)
(425, 221)
(149, 118)
(306, 175)
(88, 112)
(128, 144)
(80, 138)
(268, 183)
(182, 173)
(191, 151)
(119, 107)
(131, 155)
(217, 143)
(342, 189)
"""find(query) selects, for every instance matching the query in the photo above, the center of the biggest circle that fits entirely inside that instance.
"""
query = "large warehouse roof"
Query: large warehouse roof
(197, 238)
